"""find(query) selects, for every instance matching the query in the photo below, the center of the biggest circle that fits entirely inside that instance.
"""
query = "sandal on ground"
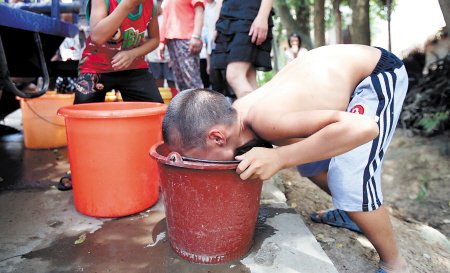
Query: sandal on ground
(380, 270)
(335, 218)
(65, 183)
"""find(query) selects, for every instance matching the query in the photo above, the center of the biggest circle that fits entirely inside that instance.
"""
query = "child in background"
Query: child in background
(115, 50)
(295, 48)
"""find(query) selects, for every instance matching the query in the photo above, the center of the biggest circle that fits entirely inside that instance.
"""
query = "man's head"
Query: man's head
(201, 123)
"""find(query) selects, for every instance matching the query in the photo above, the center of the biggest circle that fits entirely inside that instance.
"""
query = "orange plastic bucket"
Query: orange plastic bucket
(42, 127)
(210, 212)
(108, 143)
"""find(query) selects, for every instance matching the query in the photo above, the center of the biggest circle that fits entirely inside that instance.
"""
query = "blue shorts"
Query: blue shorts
(354, 178)
(161, 71)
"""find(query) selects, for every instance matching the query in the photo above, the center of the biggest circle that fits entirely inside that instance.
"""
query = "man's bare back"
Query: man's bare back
(319, 80)
(323, 79)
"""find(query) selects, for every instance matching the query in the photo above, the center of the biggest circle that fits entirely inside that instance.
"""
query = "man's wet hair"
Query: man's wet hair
(191, 114)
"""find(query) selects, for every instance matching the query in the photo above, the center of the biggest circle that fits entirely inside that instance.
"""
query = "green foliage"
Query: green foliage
(423, 188)
(298, 3)
(378, 8)
(264, 77)
(431, 122)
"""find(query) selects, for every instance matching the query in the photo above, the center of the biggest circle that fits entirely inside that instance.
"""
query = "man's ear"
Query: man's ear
(217, 137)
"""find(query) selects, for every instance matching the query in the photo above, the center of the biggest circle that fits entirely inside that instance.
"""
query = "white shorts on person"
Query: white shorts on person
(354, 178)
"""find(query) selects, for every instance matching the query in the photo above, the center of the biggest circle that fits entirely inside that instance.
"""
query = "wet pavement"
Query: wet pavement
(41, 231)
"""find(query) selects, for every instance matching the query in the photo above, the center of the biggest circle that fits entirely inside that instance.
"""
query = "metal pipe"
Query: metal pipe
(47, 7)
(55, 10)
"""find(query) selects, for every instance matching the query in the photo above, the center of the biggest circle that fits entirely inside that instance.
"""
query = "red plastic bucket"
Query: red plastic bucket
(112, 174)
(210, 212)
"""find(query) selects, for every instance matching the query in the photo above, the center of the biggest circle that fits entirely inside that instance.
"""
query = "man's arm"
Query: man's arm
(331, 133)
(328, 133)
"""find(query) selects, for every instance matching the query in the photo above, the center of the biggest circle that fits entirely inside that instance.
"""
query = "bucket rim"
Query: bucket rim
(46, 96)
(226, 165)
(87, 110)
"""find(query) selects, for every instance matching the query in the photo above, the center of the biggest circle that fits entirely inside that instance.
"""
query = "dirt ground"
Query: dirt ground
(416, 177)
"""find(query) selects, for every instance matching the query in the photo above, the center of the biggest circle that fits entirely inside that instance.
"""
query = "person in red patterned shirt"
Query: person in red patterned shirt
(115, 50)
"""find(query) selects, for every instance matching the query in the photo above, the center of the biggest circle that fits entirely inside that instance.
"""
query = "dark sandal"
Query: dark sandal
(335, 218)
(65, 183)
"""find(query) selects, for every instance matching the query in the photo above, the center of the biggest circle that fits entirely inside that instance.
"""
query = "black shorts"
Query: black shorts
(233, 44)
(134, 85)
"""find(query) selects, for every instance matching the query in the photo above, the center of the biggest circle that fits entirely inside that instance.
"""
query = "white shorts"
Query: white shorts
(354, 178)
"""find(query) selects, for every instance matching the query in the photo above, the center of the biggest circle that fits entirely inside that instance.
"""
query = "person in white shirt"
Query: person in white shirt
(295, 48)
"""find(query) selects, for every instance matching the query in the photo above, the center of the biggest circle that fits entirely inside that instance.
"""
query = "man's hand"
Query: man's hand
(259, 30)
(259, 163)
(122, 60)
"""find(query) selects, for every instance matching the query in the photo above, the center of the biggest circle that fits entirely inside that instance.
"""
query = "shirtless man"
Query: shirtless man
(331, 113)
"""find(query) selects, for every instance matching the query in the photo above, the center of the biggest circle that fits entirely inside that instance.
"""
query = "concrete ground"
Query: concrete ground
(41, 231)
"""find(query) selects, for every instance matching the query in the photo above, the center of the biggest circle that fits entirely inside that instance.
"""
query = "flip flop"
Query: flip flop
(380, 270)
(335, 218)
(65, 185)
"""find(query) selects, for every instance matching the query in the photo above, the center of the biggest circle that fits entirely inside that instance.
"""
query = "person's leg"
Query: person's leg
(157, 72)
(168, 75)
(171, 84)
(251, 77)
(321, 181)
(237, 78)
(204, 73)
(176, 69)
(137, 85)
(159, 83)
(185, 67)
(90, 88)
(377, 227)
(316, 172)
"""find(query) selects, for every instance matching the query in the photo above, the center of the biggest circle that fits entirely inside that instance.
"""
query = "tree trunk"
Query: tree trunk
(300, 24)
(276, 66)
(360, 29)
(319, 23)
(338, 20)
(445, 8)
